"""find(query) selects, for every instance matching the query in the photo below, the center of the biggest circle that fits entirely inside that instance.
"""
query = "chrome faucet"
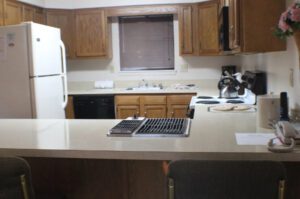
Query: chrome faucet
(144, 83)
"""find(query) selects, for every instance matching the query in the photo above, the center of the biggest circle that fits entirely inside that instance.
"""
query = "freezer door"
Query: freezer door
(46, 53)
(15, 98)
(48, 97)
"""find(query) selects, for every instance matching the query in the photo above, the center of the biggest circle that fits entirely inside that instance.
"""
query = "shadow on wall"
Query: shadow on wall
(92, 64)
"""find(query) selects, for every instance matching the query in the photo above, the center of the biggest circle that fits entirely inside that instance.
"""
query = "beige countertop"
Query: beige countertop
(125, 91)
(209, 87)
(212, 136)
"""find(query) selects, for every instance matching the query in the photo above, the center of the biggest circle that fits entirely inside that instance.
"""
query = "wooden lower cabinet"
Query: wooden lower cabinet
(127, 106)
(70, 108)
(178, 105)
(124, 111)
(152, 106)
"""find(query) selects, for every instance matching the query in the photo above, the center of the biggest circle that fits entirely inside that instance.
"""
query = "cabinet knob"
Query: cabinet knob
(145, 114)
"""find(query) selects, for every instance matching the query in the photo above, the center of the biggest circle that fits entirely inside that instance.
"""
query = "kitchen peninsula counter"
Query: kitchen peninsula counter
(212, 136)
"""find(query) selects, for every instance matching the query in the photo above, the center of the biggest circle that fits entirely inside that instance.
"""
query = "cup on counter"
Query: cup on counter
(268, 110)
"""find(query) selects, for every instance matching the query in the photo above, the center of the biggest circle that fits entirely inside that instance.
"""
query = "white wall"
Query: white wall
(198, 67)
(278, 65)
(40, 3)
(282, 69)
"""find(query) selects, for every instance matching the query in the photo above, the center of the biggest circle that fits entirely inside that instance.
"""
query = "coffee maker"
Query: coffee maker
(256, 81)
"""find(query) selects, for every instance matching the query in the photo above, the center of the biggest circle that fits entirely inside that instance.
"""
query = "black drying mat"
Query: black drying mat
(126, 127)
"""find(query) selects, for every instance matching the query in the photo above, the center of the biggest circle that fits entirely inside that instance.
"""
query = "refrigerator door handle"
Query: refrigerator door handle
(64, 74)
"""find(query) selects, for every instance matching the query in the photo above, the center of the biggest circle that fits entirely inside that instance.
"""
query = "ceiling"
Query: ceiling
(74, 4)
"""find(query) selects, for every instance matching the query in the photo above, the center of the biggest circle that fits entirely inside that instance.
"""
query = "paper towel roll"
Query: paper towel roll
(268, 110)
(104, 84)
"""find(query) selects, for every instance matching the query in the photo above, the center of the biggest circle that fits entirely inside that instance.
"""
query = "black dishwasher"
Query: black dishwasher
(94, 106)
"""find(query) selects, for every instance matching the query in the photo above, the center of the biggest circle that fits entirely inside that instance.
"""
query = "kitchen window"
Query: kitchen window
(146, 43)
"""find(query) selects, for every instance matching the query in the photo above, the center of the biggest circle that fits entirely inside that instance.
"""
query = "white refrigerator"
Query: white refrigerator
(33, 81)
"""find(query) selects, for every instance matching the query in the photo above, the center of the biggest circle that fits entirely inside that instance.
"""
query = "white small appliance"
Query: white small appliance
(33, 81)
(248, 98)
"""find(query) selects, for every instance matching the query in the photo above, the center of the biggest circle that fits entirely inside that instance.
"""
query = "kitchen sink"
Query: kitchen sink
(156, 88)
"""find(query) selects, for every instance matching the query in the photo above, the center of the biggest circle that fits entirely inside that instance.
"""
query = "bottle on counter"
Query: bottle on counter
(284, 107)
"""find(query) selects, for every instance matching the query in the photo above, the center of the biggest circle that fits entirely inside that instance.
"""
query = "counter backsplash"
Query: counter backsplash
(209, 84)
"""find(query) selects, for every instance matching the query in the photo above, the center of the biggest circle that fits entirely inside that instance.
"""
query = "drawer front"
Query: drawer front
(180, 99)
(153, 99)
(127, 100)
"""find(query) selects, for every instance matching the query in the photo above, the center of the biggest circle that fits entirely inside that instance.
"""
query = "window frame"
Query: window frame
(162, 70)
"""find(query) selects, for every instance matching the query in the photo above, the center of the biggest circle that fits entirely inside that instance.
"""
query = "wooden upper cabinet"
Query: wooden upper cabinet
(27, 13)
(234, 24)
(13, 12)
(1, 12)
(187, 35)
(63, 19)
(92, 38)
(252, 23)
(39, 16)
(208, 28)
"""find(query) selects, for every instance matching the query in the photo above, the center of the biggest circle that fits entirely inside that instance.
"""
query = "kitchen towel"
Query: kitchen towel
(268, 110)
(104, 84)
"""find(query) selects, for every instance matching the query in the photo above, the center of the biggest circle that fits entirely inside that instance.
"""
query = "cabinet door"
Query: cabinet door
(153, 106)
(208, 28)
(124, 111)
(70, 108)
(177, 111)
(178, 105)
(187, 26)
(39, 16)
(63, 19)
(127, 106)
(234, 24)
(154, 111)
(1, 12)
(28, 13)
(91, 33)
(264, 19)
(13, 13)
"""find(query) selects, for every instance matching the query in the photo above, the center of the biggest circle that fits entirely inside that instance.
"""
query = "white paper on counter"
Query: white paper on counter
(253, 138)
